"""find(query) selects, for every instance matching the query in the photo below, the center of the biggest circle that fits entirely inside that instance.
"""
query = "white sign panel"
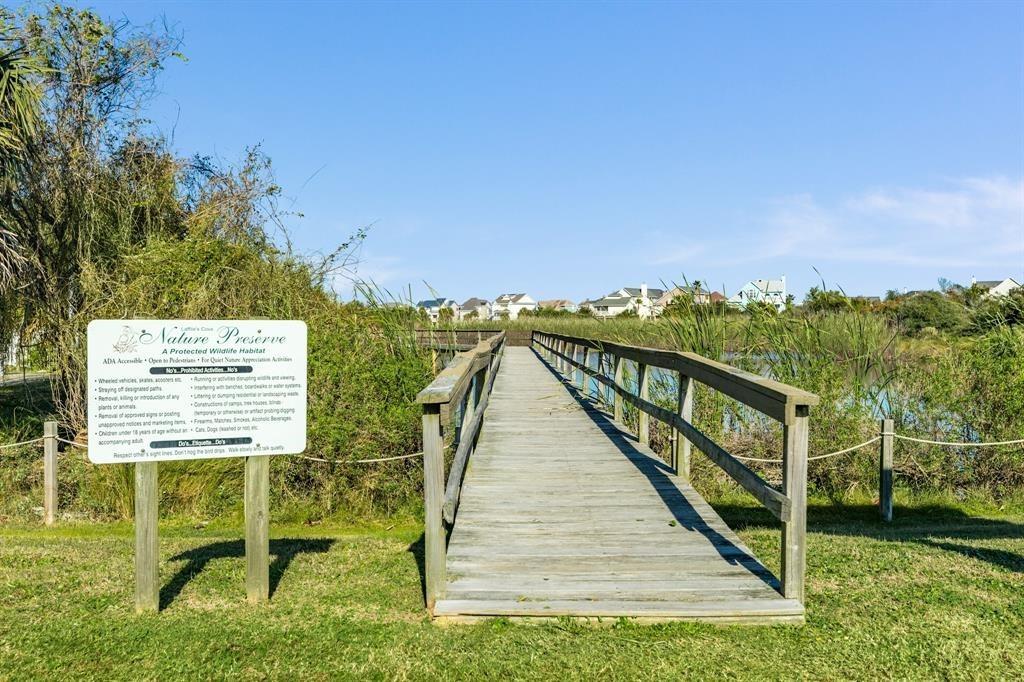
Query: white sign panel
(164, 390)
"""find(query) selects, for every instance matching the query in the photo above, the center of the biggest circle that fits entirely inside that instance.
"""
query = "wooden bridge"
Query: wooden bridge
(550, 507)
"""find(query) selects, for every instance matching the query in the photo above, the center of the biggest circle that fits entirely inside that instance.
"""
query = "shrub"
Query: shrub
(930, 309)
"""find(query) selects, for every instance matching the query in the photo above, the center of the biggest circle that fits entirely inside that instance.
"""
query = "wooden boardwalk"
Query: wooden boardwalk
(563, 513)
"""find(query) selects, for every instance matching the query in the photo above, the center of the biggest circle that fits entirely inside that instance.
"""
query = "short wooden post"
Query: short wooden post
(617, 368)
(257, 528)
(433, 498)
(643, 428)
(680, 445)
(49, 472)
(147, 546)
(794, 486)
(885, 471)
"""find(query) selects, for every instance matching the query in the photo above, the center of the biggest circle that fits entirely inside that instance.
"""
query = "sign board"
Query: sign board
(164, 390)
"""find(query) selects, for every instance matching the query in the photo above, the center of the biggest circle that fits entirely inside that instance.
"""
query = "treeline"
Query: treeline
(954, 308)
(99, 218)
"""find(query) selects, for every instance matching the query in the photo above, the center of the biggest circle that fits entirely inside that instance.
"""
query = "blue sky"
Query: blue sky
(566, 150)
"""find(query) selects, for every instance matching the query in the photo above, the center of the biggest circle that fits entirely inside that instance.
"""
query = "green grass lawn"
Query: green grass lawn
(937, 594)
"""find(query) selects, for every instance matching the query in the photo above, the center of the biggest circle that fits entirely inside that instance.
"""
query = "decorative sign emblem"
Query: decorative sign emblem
(164, 390)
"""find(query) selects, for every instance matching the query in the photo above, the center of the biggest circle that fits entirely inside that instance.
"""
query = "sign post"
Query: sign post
(174, 390)
(257, 528)
(147, 546)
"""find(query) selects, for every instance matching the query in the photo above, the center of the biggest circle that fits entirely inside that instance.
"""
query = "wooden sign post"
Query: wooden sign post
(172, 390)
(257, 529)
(147, 546)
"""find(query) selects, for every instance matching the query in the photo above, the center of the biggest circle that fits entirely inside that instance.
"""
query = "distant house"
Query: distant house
(475, 309)
(559, 304)
(434, 306)
(696, 294)
(636, 299)
(770, 291)
(717, 297)
(997, 287)
(510, 305)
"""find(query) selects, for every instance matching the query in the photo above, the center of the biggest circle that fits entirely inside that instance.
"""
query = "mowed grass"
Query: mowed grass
(939, 593)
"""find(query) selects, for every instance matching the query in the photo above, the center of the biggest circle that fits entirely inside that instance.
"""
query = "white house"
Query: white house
(637, 299)
(510, 305)
(479, 306)
(433, 307)
(996, 288)
(770, 291)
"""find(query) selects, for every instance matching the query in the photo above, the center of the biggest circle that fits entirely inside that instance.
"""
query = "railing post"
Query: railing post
(433, 498)
(584, 379)
(680, 445)
(643, 429)
(49, 472)
(794, 486)
(885, 471)
(617, 378)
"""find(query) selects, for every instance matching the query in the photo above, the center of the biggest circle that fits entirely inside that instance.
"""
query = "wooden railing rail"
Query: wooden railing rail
(786, 404)
(464, 384)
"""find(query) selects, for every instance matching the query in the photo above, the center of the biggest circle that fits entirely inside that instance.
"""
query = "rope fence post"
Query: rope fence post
(49, 472)
(885, 471)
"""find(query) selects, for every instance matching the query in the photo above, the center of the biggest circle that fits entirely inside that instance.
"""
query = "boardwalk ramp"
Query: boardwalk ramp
(565, 514)
(562, 512)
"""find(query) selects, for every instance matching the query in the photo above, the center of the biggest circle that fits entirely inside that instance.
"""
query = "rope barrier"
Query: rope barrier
(24, 442)
(894, 435)
(1019, 441)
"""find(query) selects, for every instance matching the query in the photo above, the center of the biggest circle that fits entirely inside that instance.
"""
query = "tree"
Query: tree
(20, 94)
(826, 301)
(80, 180)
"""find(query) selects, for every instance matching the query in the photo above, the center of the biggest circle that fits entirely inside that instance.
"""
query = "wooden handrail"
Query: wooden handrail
(773, 398)
(441, 400)
(451, 383)
(784, 403)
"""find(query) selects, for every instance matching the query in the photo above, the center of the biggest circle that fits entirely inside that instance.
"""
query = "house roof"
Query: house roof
(475, 303)
(509, 298)
(717, 297)
(769, 285)
(681, 291)
(436, 303)
(635, 292)
(611, 302)
(555, 303)
(992, 283)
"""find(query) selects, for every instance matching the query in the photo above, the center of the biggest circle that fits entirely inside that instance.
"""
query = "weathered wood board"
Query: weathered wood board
(563, 513)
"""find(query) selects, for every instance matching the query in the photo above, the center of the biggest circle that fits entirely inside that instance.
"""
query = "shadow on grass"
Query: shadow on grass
(416, 549)
(938, 526)
(283, 551)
